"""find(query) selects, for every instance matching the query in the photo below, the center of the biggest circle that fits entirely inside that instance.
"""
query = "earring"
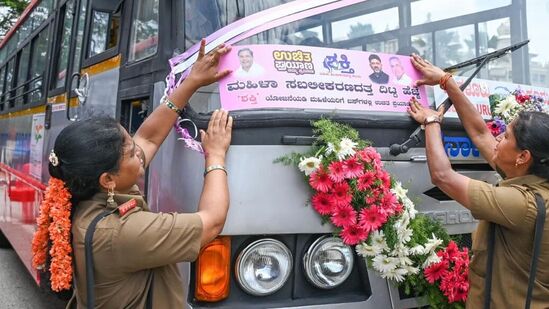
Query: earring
(517, 163)
(110, 194)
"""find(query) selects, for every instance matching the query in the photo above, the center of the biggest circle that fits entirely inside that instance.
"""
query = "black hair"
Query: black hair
(85, 150)
(531, 132)
(374, 56)
(245, 49)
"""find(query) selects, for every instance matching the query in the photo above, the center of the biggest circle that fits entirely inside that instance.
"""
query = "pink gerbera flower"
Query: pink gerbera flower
(353, 168)
(371, 219)
(353, 234)
(385, 178)
(369, 154)
(365, 181)
(322, 203)
(341, 195)
(320, 181)
(337, 171)
(451, 250)
(343, 216)
(436, 271)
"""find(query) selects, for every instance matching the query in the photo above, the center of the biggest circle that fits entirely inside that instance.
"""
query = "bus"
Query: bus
(68, 60)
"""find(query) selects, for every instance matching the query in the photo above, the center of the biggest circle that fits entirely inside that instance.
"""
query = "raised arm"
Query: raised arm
(157, 126)
(470, 118)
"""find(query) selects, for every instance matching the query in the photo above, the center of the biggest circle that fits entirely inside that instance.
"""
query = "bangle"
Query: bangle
(443, 80)
(171, 105)
(215, 167)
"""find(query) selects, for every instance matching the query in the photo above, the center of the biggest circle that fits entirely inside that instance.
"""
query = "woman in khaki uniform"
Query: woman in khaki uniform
(135, 250)
(521, 156)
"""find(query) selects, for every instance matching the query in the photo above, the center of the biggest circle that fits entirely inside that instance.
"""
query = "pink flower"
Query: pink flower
(337, 171)
(322, 203)
(320, 181)
(369, 154)
(353, 234)
(389, 203)
(343, 216)
(436, 271)
(451, 250)
(385, 178)
(353, 168)
(371, 219)
(341, 195)
(365, 181)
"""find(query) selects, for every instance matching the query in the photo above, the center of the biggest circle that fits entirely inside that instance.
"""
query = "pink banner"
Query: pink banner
(287, 76)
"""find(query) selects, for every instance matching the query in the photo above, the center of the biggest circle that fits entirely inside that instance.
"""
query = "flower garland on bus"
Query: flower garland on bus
(54, 225)
(505, 108)
(369, 209)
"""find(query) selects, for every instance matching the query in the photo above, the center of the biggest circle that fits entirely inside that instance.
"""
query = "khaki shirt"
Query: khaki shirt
(127, 248)
(512, 206)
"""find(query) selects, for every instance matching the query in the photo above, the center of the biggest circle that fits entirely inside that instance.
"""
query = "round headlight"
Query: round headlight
(328, 262)
(263, 267)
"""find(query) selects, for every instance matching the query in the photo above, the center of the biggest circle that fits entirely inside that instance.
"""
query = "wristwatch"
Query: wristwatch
(431, 119)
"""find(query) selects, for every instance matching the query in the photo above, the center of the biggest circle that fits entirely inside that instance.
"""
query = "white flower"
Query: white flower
(507, 106)
(418, 250)
(378, 241)
(395, 274)
(366, 250)
(330, 148)
(404, 235)
(411, 270)
(399, 191)
(384, 264)
(404, 261)
(431, 259)
(346, 148)
(309, 165)
(412, 212)
(400, 251)
(432, 244)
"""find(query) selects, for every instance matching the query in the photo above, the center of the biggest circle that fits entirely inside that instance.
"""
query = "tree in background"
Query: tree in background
(10, 10)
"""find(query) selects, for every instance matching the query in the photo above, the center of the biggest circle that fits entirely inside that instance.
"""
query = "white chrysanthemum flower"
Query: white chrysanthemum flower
(411, 270)
(346, 148)
(418, 250)
(507, 106)
(366, 250)
(395, 274)
(412, 212)
(431, 259)
(384, 264)
(404, 235)
(432, 244)
(378, 240)
(399, 191)
(309, 165)
(400, 250)
(330, 148)
(404, 261)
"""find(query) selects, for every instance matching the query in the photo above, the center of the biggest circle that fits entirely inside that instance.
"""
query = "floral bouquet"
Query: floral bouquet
(352, 191)
(505, 108)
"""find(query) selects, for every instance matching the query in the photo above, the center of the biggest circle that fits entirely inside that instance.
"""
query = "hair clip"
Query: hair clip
(53, 158)
(544, 161)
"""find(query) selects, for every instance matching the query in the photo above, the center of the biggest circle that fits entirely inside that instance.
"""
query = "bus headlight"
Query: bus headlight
(328, 262)
(263, 267)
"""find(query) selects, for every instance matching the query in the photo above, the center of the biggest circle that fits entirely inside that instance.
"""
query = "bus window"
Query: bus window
(10, 75)
(105, 27)
(22, 76)
(64, 44)
(2, 93)
(38, 66)
(144, 32)
(79, 38)
(202, 18)
(426, 11)
(41, 13)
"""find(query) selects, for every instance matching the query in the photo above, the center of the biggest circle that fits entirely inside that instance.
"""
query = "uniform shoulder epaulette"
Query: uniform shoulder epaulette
(126, 207)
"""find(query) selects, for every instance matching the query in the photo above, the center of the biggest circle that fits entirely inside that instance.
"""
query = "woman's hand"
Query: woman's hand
(217, 138)
(431, 74)
(419, 113)
(205, 69)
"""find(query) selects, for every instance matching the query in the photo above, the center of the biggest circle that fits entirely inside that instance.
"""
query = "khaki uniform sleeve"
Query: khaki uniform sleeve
(148, 240)
(506, 206)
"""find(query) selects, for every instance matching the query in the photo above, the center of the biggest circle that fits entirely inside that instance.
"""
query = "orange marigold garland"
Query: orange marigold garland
(54, 224)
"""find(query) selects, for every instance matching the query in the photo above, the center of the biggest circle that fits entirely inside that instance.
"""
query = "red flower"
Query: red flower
(343, 216)
(385, 178)
(322, 203)
(353, 168)
(451, 250)
(341, 195)
(389, 203)
(337, 171)
(365, 181)
(353, 234)
(371, 219)
(436, 271)
(369, 154)
(320, 181)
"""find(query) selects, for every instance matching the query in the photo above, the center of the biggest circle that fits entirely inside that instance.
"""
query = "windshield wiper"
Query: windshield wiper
(415, 138)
